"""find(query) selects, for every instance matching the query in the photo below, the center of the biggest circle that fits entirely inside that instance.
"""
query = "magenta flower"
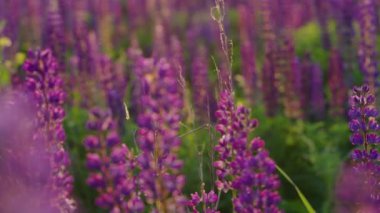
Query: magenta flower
(111, 166)
(45, 86)
(242, 166)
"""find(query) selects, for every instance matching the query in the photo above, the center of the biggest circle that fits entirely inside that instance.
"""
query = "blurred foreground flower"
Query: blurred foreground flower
(25, 166)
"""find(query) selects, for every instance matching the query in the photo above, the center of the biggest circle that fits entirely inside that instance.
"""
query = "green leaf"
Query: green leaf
(305, 202)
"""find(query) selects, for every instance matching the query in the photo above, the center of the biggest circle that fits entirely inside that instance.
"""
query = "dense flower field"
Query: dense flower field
(174, 106)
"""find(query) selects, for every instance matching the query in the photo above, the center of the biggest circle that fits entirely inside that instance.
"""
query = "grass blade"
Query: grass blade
(305, 202)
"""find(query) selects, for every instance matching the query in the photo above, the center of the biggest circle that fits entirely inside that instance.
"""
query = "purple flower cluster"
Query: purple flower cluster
(206, 200)
(336, 84)
(160, 98)
(367, 50)
(203, 98)
(54, 35)
(247, 51)
(363, 123)
(25, 165)
(317, 99)
(45, 86)
(244, 166)
(111, 166)
(113, 83)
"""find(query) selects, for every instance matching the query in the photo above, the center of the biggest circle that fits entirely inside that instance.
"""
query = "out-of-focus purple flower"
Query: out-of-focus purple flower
(25, 167)
(45, 86)
(367, 49)
(287, 79)
(244, 166)
(322, 7)
(247, 52)
(114, 84)
(270, 92)
(54, 35)
(357, 188)
(160, 179)
(111, 165)
(338, 89)
(204, 100)
(344, 13)
(317, 99)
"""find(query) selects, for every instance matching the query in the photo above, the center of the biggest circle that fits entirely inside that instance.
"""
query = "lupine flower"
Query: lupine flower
(363, 123)
(306, 68)
(111, 166)
(247, 53)
(357, 189)
(203, 98)
(269, 88)
(367, 49)
(345, 14)
(54, 37)
(25, 165)
(208, 200)
(45, 86)
(365, 168)
(338, 90)
(113, 84)
(321, 10)
(286, 79)
(244, 166)
(317, 100)
(160, 180)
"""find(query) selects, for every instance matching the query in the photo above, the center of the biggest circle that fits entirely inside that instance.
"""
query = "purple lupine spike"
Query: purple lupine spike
(247, 52)
(322, 7)
(345, 14)
(54, 37)
(338, 89)
(358, 186)
(160, 179)
(113, 82)
(363, 123)
(367, 50)
(111, 166)
(286, 79)
(269, 88)
(208, 200)
(317, 100)
(203, 98)
(240, 162)
(45, 85)
(305, 95)
(25, 163)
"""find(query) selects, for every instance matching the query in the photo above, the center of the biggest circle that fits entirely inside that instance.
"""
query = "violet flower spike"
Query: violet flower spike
(45, 86)
(240, 162)
(111, 166)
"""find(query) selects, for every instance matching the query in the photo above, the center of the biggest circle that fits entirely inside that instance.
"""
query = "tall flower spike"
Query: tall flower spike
(317, 100)
(207, 200)
(363, 175)
(160, 179)
(111, 166)
(113, 83)
(367, 50)
(54, 37)
(247, 52)
(203, 97)
(338, 89)
(45, 85)
(363, 123)
(242, 166)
